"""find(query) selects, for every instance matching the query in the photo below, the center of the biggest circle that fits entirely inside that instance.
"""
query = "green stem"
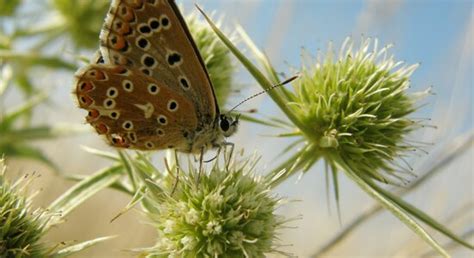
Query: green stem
(366, 185)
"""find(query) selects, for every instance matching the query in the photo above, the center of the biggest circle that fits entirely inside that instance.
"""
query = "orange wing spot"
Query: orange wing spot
(85, 86)
(100, 75)
(86, 100)
(93, 115)
(120, 44)
(101, 128)
(126, 13)
(124, 29)
(119, 141)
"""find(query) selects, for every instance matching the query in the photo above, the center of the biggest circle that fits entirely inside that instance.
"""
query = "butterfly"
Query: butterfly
(149, 89)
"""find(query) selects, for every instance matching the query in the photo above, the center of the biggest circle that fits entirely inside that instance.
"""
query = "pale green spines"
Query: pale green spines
(229, 212)
(356, 106)
(216, 56)
(20, 227)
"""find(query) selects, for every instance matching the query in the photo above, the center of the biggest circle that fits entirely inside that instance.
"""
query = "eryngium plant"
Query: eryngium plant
(21, 226)
(226, 212)
(355, 108)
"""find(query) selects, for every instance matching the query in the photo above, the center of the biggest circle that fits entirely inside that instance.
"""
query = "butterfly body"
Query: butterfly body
(150, 89)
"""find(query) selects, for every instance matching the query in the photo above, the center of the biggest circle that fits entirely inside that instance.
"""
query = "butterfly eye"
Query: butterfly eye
(225, 125)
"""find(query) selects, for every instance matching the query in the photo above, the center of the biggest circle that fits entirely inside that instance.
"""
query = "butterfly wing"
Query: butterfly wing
(152, 36)
(142, 113)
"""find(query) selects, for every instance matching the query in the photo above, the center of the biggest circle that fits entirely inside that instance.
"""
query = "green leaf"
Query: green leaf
(137, 197)
(8, 7)
(40, 133)
(84, 190)
(12, 115)
(24, 151)
(79, 247)
(420, 215)
(5, 77)
(36, 59)
(128, 168)
(455, 149)
(100, 153)
(396, 210)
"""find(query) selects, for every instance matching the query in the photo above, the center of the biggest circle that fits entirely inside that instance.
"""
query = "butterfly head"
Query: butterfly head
(227, 124)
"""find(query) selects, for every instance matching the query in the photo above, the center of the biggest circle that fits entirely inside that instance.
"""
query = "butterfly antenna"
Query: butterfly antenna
(264, 91)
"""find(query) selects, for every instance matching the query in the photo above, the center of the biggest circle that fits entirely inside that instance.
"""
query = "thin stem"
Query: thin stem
(454, 150)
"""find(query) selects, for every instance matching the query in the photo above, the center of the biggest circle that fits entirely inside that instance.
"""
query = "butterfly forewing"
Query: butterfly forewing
(149, 88)
(142, 113)
(151, 36)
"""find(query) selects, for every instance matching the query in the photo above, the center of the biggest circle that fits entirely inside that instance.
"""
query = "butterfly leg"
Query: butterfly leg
(215, 157)
(200, 165)
(227, 162)
(175, 185)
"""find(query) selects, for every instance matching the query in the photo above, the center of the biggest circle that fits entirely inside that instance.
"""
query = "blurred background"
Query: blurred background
(438, 34)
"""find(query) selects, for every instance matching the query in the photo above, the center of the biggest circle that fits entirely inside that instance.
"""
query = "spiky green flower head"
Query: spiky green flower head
(355, 108)
(216, 56)
(21, 227)
(81, 19)
(227, 212)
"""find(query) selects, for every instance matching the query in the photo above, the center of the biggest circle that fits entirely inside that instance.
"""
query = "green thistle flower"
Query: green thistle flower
(230, 213)
(352, 111)
(216, 57)
(21, 227)
(82, 19)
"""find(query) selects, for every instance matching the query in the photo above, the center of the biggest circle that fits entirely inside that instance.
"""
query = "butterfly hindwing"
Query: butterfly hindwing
(152, 37)
(142, 113)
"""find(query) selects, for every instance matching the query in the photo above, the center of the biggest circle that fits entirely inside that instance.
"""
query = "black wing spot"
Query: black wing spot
(174, 58)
